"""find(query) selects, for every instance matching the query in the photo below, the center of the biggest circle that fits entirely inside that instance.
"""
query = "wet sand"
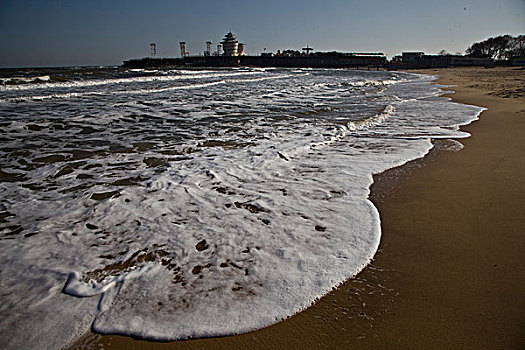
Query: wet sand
(449, 273)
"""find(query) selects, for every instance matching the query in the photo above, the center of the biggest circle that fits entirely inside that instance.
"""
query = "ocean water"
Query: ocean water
(171, 204)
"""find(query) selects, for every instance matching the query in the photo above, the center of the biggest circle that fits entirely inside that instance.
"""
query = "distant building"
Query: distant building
(240, 51)
(230, 45)
(420, 60)
(412, 57)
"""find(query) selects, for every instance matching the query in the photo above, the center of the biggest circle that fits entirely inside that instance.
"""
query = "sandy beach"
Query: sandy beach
(449, 272)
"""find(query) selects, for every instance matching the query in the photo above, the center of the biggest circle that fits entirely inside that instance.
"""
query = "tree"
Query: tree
(517, 46)
(499, 48)
(443, 53)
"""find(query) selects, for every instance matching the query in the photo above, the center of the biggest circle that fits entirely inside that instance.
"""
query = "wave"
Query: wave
(122, 81)
(136, 91)
(376, 119)
(15, 81)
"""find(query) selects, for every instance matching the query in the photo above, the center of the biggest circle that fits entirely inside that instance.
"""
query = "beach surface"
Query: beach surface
(449, 272)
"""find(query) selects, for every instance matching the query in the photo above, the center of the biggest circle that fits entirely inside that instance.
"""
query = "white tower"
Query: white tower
(153, 48)
(208, 48)
(183, 52)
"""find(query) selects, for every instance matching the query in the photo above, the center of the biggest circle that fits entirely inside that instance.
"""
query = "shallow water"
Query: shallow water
(172, 204)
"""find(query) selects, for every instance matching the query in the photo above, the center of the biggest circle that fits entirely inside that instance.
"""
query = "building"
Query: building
(230, 45)
(421, 60)
(240, 51)
(412, 57)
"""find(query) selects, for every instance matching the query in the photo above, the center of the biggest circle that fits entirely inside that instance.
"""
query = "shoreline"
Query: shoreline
(448, 270)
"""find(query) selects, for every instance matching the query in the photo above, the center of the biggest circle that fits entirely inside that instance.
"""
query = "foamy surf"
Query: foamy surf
(170, 208)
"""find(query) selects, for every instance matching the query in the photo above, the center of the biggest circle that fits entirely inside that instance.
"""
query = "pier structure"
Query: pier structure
(233, 55)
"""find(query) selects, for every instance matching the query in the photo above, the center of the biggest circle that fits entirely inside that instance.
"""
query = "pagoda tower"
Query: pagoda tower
(230, 45)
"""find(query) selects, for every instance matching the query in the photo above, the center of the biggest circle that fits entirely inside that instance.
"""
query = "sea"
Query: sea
(182, 203)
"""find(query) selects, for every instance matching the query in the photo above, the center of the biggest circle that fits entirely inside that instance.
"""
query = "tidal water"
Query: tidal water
(169, 204)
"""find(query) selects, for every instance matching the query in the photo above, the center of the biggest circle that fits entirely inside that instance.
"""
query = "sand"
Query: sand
(450, 272)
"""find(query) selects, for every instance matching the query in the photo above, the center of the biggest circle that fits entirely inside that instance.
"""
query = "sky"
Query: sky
(38, 33)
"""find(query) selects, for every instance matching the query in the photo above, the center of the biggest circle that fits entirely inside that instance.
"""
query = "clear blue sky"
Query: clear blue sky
(96, 32)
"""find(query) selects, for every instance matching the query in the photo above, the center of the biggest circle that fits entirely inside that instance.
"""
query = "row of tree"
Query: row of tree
(499, 48)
